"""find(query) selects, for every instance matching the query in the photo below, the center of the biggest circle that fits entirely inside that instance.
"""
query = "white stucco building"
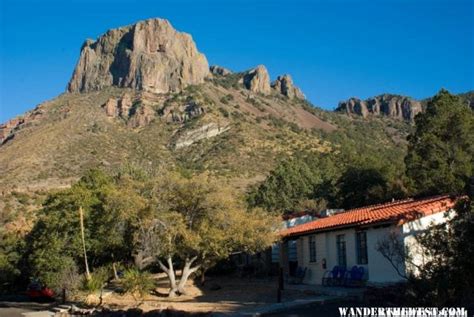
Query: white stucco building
(350, 238)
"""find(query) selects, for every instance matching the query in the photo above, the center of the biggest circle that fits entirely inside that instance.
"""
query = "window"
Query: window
(361, 247)
(341, 250)
(312, 248)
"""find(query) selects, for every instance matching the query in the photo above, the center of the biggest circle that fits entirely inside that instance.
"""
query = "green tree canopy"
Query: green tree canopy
(197, 221)
(440, 155)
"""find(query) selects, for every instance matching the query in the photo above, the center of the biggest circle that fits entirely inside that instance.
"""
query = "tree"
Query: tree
(11, 247)
(361, 186)
(198, 222)
(56, 236)
(295, 181)
(442, 274)
(440, 156)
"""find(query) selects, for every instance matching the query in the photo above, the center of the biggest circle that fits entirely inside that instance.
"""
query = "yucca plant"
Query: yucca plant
(136, 282)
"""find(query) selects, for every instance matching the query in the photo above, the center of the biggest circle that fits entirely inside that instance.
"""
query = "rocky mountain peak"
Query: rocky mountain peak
(149, 55)
(284, 85)
(257, 80)
(219, 70)
(393, 106)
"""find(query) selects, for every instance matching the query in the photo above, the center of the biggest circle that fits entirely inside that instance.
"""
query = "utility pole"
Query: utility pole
(81, 218)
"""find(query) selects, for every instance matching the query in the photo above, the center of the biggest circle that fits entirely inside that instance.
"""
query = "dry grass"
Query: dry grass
(223, 294)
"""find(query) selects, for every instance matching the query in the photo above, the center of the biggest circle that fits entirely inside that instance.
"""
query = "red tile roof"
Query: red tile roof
(398, 212)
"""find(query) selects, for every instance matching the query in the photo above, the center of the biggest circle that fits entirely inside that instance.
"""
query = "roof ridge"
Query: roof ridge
(411, 200)
(374, 213)
(398, 202)
(374, 206)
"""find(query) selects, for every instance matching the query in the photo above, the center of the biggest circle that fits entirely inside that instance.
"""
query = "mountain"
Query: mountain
(391, 106)
(143, 94)
(150, 56)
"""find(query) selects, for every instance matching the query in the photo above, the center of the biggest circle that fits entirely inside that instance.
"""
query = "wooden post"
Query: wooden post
(81, 218)
(280, 280)
(280, 285)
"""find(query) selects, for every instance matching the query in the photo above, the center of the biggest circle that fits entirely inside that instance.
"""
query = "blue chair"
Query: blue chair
(355, 277)
(340, 278)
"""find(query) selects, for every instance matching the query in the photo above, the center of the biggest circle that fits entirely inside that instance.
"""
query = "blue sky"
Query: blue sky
(333, 49)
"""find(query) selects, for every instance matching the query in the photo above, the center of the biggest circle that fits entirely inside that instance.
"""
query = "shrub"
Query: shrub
(97, 281)
(136, 282)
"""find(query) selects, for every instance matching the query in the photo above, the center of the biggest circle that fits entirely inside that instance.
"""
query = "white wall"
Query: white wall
(379, 270)
(412, 228)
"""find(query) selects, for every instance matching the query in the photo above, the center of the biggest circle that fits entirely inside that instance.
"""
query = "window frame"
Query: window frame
(361, 248)
(341, 250)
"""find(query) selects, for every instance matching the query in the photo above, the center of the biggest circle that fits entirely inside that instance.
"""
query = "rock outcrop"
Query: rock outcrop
(219, 70)
(182, 113)
(284, 85)
(149, 55)
(118, 107)
(393, 106)
(141, 116)
(9, 128)
(141, 110)
(257, 80)
(205, 132)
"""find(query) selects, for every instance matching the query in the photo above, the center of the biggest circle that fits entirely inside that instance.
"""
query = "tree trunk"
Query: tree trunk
(203, 276)
(176, 289)
(114, 267)
(187, 271)
(81, 219)
(169, 270)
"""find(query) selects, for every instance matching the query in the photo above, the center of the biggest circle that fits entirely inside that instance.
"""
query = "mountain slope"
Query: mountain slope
(135, 98)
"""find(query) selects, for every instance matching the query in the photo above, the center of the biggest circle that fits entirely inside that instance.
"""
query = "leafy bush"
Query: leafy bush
(225, 100)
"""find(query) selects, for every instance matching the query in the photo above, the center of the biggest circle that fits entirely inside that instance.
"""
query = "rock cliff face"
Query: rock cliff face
(284, 85)
(393, 106)
(257, 80)
(149, 55)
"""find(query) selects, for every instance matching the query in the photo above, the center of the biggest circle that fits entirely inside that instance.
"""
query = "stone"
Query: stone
(257, 80)
(284, 85)
(219, 70)
(149, 55)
